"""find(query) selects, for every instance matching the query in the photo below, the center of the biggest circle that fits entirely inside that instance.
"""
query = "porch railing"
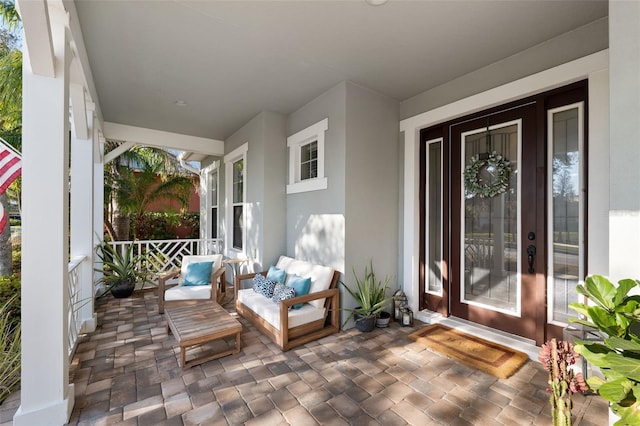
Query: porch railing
(75, 301)
(165, 255)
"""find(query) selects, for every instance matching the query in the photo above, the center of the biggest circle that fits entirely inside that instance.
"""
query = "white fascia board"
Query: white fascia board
(80, 55)
(560, 76)
(37, 36)
(160, 139)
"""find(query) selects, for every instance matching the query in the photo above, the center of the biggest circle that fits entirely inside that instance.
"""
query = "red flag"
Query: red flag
(10, 169)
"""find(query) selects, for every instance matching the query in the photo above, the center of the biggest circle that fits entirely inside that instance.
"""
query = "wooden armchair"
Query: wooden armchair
(179, 294)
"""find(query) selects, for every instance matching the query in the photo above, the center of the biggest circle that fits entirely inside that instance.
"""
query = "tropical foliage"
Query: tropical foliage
(10, 69)
(370, 294)
(167, 226)
(10, 110)
(616, 314)
(136, 179)
(9, 348)
(120, 267)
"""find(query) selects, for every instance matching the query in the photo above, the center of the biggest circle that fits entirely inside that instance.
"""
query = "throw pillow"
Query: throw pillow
(277, 275)
(282, 292)
(301, 287)
(198, 273)
(263, 286)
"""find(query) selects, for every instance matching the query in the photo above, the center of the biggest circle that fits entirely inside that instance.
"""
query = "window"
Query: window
(565, 210)
(235, 165)
(309, 161)
(306, 159)
(433, 248)
(213, 197)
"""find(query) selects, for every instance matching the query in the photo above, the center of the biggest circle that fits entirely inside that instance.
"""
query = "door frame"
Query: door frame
(544, 101)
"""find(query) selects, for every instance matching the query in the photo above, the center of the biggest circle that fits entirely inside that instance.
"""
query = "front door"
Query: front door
(497, 275)
(503, 217)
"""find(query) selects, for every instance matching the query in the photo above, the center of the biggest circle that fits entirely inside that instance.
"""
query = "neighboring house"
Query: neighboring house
(167, 205)
(349, 173)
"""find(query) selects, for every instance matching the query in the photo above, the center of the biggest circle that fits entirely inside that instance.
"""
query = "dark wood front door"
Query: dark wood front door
(497, 187)
(503, 217)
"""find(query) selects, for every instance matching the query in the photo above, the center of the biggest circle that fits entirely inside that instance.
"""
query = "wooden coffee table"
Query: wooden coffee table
(199, 323)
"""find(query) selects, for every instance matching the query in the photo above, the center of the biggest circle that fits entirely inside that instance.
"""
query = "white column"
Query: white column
(82, 213)
(624, 95)
(46, 395)
(98, 190)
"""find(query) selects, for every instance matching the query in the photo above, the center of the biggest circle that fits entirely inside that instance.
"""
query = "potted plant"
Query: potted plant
(370, 295)
(120, 271)
(616, 314)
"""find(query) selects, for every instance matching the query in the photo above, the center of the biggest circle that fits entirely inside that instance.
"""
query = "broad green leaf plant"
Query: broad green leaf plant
(616, 314)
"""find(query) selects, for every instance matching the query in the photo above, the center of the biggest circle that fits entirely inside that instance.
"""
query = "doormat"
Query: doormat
(489, 357)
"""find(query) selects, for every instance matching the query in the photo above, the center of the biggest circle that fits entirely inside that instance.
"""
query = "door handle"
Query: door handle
(531, 254)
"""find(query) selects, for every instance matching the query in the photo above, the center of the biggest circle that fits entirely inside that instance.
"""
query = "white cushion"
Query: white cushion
(270, 311)
(215, 258)
(320, 275)
(187, 292)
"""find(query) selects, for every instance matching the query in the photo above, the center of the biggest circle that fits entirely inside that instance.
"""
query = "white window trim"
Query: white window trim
(214, 168)
(239, 153)
(295, 142)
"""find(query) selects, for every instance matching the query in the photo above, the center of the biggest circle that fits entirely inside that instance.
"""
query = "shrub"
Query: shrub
(9, 349)
(166, 226)
(10, 297)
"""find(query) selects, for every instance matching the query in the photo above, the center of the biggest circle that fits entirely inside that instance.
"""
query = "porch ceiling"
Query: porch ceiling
(228, 60)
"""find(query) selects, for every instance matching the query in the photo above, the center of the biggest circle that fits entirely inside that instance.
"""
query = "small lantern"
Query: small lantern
(399, 300)
(407, 317)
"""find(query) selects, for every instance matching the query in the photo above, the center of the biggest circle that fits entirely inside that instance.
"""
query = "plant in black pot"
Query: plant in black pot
(370, 295)
(120, 270)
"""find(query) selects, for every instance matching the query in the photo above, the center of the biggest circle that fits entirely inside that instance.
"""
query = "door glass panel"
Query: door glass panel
(565, 215)
(434, 218)
(491, 223)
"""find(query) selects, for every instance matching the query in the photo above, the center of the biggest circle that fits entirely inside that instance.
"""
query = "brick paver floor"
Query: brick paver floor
(127, 373)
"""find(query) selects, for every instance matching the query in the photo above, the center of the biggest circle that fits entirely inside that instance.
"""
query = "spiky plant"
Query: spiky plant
(370, 294)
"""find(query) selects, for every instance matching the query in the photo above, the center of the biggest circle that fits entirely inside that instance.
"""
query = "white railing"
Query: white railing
(75, 301)
(165, 255)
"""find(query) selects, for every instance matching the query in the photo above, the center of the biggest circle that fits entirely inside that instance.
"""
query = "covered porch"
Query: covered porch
(80, 89)
(127, 372)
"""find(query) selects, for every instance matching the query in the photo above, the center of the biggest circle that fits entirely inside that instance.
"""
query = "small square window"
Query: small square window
(306, 159)
(309, 161)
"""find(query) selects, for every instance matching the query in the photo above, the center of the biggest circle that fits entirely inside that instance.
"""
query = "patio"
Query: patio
(127, 372)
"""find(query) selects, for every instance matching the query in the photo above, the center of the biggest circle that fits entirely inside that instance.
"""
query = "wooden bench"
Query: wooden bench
(200, 323)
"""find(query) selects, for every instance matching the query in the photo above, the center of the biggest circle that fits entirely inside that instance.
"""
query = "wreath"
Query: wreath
(498, 166)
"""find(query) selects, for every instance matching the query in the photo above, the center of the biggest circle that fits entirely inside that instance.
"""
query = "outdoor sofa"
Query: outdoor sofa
(298, 320)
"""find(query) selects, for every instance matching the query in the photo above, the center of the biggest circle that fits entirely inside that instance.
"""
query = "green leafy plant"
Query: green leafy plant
(616, 314)
(118, 268)
(556, 357)
(9, 349)
(370, 295)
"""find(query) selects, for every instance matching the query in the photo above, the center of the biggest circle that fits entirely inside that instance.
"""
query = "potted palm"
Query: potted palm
(120, 270)
(370, 295)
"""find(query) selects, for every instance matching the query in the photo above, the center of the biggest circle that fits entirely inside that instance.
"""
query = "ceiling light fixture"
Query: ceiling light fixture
(376, 2)
(180, 103)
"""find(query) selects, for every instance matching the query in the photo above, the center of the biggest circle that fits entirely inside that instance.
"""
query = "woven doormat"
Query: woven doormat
(489, 357)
